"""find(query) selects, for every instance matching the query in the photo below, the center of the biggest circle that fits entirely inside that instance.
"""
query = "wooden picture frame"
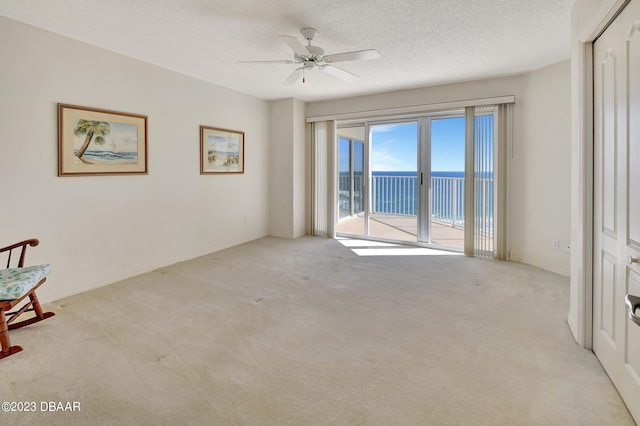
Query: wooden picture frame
(221, 151)
(95, 141)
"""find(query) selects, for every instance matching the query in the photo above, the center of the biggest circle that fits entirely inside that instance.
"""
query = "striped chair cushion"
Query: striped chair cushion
(16, 282)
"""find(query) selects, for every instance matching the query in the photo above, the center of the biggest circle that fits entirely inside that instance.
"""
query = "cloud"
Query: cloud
(383, 128)
(383, 158)
(124, 135)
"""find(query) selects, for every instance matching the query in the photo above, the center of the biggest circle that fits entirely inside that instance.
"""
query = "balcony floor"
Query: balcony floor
(402, 228)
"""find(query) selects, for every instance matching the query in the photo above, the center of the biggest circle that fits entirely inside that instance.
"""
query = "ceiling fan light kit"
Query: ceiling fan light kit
(313, 57)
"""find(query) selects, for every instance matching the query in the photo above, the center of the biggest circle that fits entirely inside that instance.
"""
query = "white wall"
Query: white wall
(541, 144)
(357, 133)
(299, 169)
(542, 169)
(96, 230)
(281, 162)
(288, 171)
(427, 95)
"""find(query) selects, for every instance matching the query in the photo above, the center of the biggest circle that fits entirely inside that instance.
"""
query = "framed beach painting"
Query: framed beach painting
(221, 151)
(94, 141)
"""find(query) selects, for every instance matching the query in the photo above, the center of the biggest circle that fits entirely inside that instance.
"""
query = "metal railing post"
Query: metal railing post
(454, 202)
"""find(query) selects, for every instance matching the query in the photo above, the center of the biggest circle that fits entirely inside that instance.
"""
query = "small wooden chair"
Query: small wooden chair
(16, 284)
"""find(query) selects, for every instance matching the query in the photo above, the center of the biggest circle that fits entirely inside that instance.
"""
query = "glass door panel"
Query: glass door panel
(351, 181)
(358, 177)
(447, 143)
(344, 178)
(394, 181)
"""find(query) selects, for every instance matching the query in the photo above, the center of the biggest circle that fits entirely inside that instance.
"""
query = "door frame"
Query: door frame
(367, 149)
(580, 318)
(426, 158)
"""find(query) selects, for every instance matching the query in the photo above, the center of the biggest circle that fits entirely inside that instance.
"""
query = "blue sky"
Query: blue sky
(394, 147)
(447, 145)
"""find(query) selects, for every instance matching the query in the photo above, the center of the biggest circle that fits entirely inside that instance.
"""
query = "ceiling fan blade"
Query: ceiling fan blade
(294, 76)
(295, 44)
(339, 73)
(268, 62)
(358, 55)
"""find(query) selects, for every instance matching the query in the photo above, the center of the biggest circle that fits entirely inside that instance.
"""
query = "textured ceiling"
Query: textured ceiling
(421, 42)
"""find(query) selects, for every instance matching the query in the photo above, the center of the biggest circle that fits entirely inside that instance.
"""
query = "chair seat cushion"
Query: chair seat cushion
(16, 282)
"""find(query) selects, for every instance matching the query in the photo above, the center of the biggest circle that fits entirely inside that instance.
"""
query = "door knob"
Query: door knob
(632, 260)
(633, 303)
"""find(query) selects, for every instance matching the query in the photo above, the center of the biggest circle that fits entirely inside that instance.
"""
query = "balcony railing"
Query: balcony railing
(350, 202)
(447, 200)
(394, 195)
(398, 195)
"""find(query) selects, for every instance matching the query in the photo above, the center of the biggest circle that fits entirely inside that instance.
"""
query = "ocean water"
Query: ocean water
(109, 157)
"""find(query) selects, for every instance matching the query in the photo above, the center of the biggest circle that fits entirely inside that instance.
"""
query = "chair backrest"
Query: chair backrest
(21, 247)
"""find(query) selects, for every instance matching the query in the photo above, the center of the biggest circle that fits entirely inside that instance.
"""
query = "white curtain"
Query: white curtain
(504, 135)
(323, 178)
(488, 137)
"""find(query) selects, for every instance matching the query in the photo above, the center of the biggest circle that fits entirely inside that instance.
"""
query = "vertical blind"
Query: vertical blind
(488, 136)
(323, 198)
(504, 129)
(483, 180)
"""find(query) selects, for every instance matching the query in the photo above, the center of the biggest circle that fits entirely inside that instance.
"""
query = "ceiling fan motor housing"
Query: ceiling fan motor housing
(308, 33)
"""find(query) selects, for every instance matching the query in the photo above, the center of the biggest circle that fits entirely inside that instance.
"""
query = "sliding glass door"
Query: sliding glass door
(419, 180)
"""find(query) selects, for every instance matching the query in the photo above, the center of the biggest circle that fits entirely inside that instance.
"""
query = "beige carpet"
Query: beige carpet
(305, 332)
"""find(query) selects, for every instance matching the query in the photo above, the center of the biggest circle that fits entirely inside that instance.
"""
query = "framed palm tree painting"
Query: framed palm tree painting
(94, 141)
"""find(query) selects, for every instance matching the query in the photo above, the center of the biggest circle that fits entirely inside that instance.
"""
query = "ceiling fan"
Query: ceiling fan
(313, 57)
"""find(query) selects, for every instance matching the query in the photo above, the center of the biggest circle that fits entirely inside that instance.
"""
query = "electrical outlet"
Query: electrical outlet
(555, 244)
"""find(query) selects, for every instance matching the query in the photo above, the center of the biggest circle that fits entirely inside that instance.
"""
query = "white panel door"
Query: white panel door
(616, 338)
